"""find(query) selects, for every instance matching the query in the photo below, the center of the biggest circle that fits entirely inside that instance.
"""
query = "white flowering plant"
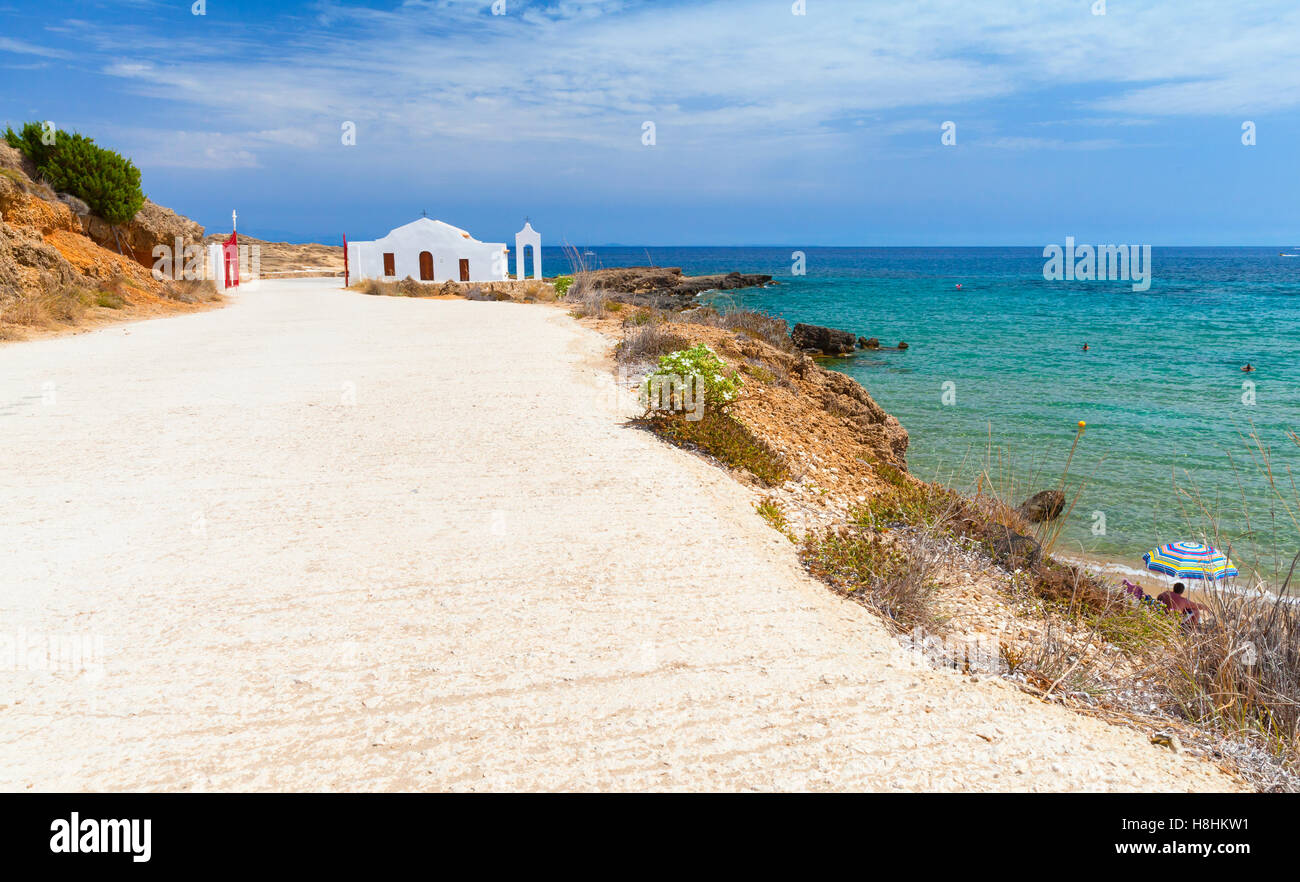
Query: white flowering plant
(708, 375)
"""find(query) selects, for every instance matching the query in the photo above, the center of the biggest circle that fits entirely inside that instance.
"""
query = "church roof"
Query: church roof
(428, 229)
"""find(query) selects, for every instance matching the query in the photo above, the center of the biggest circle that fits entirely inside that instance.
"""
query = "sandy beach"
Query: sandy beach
(322, 541)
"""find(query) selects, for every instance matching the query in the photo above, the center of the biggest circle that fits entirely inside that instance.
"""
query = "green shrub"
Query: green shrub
(562, 284)
(723, 437)
(103, 179)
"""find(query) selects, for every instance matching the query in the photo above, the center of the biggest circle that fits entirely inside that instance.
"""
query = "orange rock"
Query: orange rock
(21, 209)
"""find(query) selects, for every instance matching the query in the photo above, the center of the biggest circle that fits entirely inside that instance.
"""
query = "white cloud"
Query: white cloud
(19, 47)
(725, 76)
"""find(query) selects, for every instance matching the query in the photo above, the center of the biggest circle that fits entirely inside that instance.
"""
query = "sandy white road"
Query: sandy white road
(318, 540)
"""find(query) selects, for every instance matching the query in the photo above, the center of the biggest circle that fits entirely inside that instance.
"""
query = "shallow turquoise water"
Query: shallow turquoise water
(1161, 388)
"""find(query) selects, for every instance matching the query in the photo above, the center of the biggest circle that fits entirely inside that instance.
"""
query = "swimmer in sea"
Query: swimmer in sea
(1248, 367)
(1086, 347)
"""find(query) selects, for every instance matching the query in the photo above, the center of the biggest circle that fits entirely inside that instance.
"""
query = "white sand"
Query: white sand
(473, 577)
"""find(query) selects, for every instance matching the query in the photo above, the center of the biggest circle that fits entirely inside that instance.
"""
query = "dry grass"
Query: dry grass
(758, 325)
(27, 309)
(540, 292)
(191, 290)
(476, 293)
(1242, 673)
(588, 301)
(68, 305)
(407, 287)
(895, 573)
(642, 343)
(373, 287)
(60, 305)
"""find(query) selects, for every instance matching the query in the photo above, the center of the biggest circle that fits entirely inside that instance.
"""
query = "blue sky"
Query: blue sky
(770, 127)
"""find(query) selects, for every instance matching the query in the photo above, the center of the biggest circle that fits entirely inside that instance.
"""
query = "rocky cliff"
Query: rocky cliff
(59, 263)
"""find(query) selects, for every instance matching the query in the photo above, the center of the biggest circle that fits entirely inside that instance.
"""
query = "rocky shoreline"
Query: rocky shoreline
(665, 287)
(989, 581)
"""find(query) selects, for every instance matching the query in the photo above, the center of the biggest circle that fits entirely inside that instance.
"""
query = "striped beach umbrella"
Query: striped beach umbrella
(1189, 560)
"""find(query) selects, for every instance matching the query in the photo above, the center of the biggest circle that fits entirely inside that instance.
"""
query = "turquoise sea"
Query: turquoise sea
(1167, 406)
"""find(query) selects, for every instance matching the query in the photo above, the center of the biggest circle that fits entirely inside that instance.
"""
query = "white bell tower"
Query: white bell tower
(528, 236)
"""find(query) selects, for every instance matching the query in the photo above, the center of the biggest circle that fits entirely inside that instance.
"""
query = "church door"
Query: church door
(426, 266)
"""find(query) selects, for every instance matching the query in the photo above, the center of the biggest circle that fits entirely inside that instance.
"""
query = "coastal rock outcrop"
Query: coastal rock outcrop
(666, 287)
(828, 341)
(809, 413)
(1045, 505)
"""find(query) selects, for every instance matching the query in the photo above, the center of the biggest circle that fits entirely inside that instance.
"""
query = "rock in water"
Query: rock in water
(826, 340)
(1046, 505)
(869, 342)
(666, 287)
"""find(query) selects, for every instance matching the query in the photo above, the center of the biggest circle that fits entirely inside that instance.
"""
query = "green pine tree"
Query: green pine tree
(73, 163)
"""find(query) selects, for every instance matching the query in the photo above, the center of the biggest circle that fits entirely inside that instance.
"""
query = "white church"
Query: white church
(432, 251)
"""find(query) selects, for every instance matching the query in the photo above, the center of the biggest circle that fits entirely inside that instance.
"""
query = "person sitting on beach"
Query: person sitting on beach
(1135, 591)
(1175, 602)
